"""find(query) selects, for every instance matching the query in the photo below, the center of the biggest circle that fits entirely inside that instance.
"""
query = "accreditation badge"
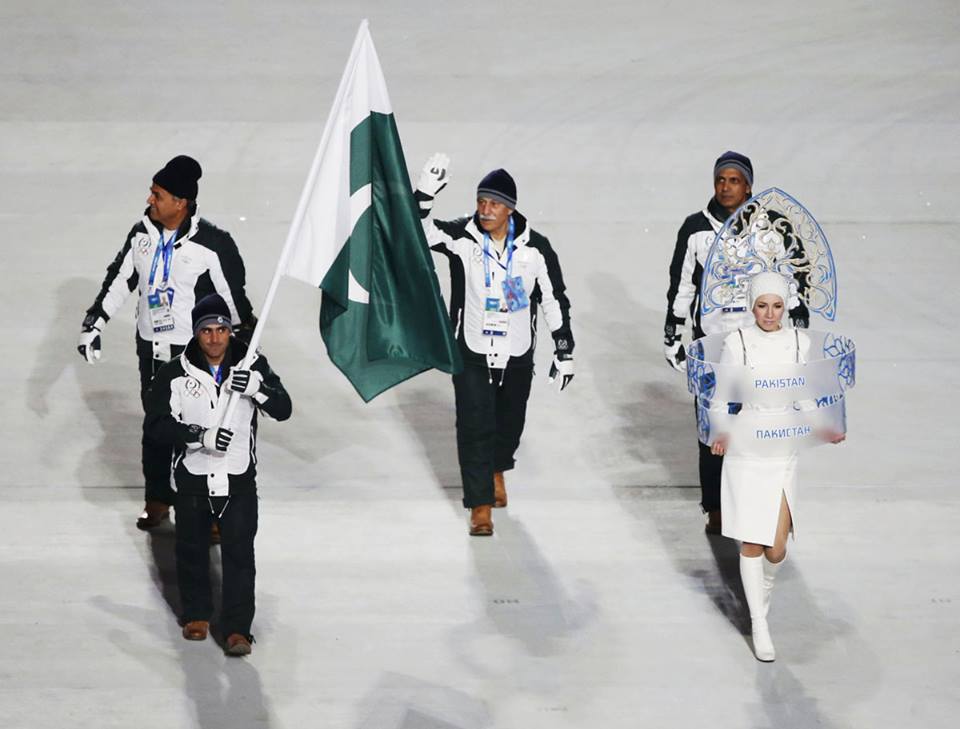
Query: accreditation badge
(160, 305)
(496, 318)
(514, 294)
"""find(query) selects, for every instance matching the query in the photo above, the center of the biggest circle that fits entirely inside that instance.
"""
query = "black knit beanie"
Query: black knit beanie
(211, 310)
(738, 161)
(179, 177)
(499, 186)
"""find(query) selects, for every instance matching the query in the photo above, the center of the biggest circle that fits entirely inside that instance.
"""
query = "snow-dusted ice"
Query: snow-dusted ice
(599, 602)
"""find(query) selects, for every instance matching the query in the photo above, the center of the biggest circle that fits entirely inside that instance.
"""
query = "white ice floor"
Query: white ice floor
(599, 602)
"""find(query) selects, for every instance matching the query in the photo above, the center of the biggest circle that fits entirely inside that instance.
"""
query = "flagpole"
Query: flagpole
(258, 329)
(295, 223)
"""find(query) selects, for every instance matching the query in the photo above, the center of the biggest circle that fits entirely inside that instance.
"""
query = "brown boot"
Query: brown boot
(238, 645)
(499, 491)
(481, 521)
(154, 514)
(714, 523)
(196, 630)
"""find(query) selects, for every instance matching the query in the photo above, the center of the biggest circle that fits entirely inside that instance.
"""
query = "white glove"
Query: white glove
(562, 369)
(88, 345)
(434, 176)
(217, 439)
(673, 346)
(246, 382)
(676, 356)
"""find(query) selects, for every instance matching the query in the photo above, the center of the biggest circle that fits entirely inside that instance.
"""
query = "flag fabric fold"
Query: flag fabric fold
(357, 235)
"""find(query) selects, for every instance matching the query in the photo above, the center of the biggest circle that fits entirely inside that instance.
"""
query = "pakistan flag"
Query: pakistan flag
(357, 235)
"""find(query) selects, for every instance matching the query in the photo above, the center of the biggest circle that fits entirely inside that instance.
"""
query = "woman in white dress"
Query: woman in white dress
(758, 494)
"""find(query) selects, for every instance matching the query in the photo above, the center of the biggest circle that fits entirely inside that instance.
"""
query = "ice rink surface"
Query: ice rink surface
(599, 602)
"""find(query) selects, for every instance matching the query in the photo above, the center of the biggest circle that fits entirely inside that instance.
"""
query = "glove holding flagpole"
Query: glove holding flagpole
(356, 234)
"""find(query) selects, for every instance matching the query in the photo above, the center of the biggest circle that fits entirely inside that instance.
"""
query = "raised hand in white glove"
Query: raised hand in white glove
(88, 345)
(435, 175)
(217, 439)
(246, 382)
(561, 369)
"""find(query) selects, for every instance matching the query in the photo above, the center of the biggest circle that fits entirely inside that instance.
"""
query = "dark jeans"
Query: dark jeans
(490, 416)
(710, 467)
(238, 527)
(156, 457)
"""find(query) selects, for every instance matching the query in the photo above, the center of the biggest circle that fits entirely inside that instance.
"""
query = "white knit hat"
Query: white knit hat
(769, 282)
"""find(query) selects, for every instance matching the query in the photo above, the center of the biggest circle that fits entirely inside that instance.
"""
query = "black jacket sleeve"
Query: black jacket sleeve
(161, 423)
(236, 274)
(222, 244)
(565, 333)
(113, 270)
(676, 270)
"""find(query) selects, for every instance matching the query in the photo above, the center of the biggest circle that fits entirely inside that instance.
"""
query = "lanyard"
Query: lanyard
(487, 255)
(215, 372)
(167, 248)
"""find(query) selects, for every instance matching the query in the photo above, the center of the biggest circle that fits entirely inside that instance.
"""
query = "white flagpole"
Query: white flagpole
(297, 220)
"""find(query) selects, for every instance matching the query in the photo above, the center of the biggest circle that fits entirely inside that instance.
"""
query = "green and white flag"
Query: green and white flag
(357, 235)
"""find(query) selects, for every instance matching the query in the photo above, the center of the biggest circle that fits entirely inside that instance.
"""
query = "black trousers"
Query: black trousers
(710, 468)
(491, 411)
(238, 527)
(156, 457)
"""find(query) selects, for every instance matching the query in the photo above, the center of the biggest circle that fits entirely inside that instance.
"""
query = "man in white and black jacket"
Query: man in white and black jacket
(732, 186)
(500, 270)
(172, 258)
(215, 466)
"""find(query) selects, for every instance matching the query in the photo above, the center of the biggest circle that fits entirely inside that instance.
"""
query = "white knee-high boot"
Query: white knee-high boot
(751, 573)
(770, 570)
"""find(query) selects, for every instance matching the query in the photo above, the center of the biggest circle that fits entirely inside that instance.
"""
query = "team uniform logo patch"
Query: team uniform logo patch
(193, 388)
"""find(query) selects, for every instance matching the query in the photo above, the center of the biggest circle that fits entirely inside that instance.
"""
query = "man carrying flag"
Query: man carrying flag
(500, 269)
(215, 465)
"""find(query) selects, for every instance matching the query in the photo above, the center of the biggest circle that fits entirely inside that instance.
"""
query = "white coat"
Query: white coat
(463, 241)
(751, 486)
(191, 259)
